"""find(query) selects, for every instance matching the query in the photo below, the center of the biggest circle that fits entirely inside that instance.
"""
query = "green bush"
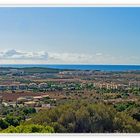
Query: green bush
(82, 117)
(3, 124)
(32, 128)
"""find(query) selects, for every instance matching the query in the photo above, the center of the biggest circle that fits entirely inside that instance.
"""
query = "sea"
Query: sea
(78, 67)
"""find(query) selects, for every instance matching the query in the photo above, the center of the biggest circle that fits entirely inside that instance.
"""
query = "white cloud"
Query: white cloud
(14, 54)
(98, 54)
(43, 57)
(70, 57)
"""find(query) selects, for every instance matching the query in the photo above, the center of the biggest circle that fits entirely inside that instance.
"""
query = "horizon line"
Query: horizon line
(78, 64)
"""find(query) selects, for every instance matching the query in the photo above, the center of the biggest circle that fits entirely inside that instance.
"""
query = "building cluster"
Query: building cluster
(134, 83)
(17, 79)
(23, 86)
(12, 72)
(109, 85)
(41, 86)
(67, 86)
(28, 101)
(77, 72)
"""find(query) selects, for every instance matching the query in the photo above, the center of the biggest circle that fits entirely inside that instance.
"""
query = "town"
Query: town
(23, 83)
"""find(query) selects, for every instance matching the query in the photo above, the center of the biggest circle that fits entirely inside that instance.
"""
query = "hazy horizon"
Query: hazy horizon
(51, 35)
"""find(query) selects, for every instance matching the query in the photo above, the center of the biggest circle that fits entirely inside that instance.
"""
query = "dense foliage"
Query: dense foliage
(14, 116)
(29, 129)
(86, 118)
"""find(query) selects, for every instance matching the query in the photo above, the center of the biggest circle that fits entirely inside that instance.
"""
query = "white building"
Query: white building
(33, 86)
(43, 85)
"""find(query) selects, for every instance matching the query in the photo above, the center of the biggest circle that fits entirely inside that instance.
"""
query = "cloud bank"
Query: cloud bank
(44, 57)
(14, 54)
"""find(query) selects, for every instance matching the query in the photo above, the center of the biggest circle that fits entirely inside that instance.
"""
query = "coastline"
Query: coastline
(76, 67)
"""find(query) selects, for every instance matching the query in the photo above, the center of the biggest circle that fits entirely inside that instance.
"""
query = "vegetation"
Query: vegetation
(33, 70)
(82, 117)
(29, 129)
(14, 116)
(76, 102)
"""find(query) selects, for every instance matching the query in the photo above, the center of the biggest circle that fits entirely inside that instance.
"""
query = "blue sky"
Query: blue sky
(69, 35)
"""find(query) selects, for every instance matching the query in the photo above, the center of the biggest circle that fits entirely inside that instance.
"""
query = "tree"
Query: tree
(84, 117)
(29, 110)
(125, 124)
(82, 121)
(12, 120)
(3, 124)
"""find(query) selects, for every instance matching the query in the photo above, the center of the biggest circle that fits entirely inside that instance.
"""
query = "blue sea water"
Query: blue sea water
(80, 67)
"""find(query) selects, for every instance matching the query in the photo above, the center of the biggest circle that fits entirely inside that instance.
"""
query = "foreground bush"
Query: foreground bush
(29, 129)
(86, 118)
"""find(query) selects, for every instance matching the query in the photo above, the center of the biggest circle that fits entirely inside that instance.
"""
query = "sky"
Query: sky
(70, 35)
